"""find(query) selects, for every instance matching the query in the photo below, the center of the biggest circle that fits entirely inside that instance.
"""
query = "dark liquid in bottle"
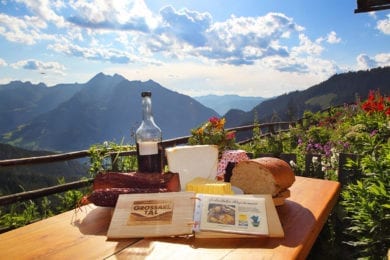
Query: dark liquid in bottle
(150, 163)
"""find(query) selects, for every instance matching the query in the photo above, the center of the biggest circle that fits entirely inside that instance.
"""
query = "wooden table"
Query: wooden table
(81, 234)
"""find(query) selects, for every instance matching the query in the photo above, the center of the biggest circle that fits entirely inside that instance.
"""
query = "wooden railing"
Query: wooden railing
(267, 128)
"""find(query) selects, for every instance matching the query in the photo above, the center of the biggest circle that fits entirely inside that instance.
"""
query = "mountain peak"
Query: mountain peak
(19, 83)
(98, 77)
(117, 76)
(102, 78)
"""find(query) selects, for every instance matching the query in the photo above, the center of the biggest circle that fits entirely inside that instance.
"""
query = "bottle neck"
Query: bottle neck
(147, 109)
(148, 130)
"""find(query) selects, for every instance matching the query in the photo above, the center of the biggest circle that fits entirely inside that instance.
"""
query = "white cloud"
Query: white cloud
(137, 35)
(176, 34)
(244, 40)
(382, 59)
(26, 30)
(39, 66)
(307, 47)
(113, 15)
(43, 9)
(185, 25)
(3, 63)
(301, 65)
(15, 29)
(384, 25)
(95, 53)
(372, 14)
(332, 38)
(365, 62)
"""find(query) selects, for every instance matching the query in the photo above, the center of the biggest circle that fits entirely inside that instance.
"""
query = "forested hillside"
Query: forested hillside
(15, 179)
(337, 90)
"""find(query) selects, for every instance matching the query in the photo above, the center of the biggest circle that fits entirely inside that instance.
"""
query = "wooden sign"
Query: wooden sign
(152, 215)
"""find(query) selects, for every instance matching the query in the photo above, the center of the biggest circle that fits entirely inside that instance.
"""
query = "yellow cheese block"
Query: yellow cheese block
(208, 186)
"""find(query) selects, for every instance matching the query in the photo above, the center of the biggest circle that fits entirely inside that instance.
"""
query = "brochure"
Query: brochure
(232, 214)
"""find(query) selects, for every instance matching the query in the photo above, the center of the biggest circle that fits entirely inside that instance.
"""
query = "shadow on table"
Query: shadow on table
(93, 221)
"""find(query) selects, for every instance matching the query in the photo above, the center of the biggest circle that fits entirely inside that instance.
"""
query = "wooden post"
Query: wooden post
(313, 169)
(347, 174)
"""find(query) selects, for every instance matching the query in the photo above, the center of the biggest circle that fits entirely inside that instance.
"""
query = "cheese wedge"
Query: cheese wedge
(207, 186)
(191, 161)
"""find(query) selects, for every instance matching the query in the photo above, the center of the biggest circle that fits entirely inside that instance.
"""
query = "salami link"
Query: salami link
(109, 196)
(108, 186)
(169, 180)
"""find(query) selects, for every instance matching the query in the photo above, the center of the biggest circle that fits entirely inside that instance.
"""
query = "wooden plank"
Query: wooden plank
(77, 234)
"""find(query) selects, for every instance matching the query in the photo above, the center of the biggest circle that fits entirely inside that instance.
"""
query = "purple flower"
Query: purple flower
(373, 133)
(318, 146)
(328, 149)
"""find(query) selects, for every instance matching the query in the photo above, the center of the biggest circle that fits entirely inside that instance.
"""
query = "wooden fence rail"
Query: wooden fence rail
(282, 126)
(39, 193)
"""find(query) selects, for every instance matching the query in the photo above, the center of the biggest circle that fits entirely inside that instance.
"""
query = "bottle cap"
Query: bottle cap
(146, 94)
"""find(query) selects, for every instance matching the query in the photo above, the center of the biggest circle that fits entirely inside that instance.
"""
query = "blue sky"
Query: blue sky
(250, 47)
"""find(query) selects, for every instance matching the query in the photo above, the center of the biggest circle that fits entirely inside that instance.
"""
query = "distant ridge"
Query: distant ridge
(337, 90)
(22, 101)
(223, 103)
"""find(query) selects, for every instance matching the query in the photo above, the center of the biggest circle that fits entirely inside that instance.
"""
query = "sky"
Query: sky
(196, 47)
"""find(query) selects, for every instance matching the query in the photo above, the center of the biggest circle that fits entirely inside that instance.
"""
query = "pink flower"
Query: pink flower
(214, 120)
(230, 135)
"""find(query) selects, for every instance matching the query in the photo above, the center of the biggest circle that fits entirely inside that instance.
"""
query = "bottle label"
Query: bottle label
(148, 148)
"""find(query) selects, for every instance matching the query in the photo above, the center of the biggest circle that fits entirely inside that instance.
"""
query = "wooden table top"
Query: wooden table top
(82, 234)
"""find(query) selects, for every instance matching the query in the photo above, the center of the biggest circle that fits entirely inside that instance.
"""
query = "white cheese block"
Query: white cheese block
(192, 161)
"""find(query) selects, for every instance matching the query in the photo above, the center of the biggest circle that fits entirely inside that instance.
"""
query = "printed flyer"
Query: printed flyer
(234, 214)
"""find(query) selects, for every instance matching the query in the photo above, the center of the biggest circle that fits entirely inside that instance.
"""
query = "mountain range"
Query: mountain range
(69, 117)
(339, 89)
(106, 108)
(223, 103)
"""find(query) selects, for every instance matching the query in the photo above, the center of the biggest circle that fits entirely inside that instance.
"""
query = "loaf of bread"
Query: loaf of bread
(266, 175)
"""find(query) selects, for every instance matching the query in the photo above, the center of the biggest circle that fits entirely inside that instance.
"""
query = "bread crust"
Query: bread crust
(265, 175)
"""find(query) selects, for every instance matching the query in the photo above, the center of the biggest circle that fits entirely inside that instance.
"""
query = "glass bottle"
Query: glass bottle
(148, 139)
